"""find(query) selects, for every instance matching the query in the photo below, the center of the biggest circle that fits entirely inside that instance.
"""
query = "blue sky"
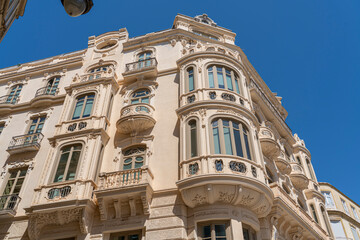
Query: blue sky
(306, 51)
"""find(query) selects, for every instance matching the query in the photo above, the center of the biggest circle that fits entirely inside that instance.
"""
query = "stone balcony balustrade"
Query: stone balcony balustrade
(8, 205)
(143, 69)
(136, 118)
(283, 164)
(269, 146)
(298, 177)
(224, 179)
(213, 94)
(131, 186)
(25, 143)
(282, 216)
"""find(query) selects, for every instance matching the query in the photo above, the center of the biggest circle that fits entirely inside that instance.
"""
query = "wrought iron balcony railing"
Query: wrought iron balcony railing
(45, 91)
(8, 99)
(140, 65)
(27, 140)
(9, 202)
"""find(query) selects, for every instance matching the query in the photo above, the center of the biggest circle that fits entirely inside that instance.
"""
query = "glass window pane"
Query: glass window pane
(216, 140)
(227, 138)
(139, 162)
(247, 146)
(220, 230)
(145, 100)
(206, 231)
(211, 78)
(246, 234)
(88, 107)
(8, 187)
(61, 167)
(220, 78)
(239, 151)
(78, 108)
(73, 165)
(191, 79)
(193, 140)
(229, 80)
(237, 85)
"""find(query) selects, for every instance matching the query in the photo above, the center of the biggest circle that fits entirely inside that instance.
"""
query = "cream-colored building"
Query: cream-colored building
(169, 135)
(343, 212)
(9, 11)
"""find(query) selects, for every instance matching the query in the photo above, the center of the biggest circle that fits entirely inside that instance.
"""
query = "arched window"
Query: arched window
(52, 86)
(230, 137)
(310, 169)
(313, 211)
(248, 232)
(68, 162)
(141, 96)
(98, 70)
(83, 106)
(190, 79)
(192, 139)
(134, 158)
(14, 94)
(222, 77)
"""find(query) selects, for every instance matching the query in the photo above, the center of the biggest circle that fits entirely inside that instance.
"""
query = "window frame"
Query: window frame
(133, 157)
(12, 99)
(252, 232)
(149, 95)
(126, 234)
(233, 73)
(325, 194)
(353, 209)
(314, 213)
(16, 179)
(346, 209)
(52, 88)
(38, 122)
(189, 142)
(58, 157)
(84, 105)
(187, 79)
(201, 225)
(247, 151)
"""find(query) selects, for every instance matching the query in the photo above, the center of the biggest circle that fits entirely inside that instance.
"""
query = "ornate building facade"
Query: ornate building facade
(343, 212)
(170, 135)
(9, 11)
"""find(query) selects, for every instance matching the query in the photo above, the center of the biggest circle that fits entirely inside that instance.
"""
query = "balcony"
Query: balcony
(8, 205)
(136, 118)
(283, 164)
(8, 99)
(141, 69)
(130, 186)
(43, 96)
(224, 179)
(298, 177)
(269, 146)
(25, 143)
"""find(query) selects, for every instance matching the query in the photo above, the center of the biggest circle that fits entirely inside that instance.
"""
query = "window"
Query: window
(36, 125)
(329, 202)
(68, 163)
(2, 126)
(344, 205)
(270, 175)
(230, 137)
(248, 232)
(323, 212)
(192, 138)
(298, 161)
(12, 189)
(354, 233)
(97, 72)
(206, 35)
(190, 78)
(144, 59)
(221, 77)
(83, 106)
(141, 96)
(313, 211)
(14, 94)
(134, 158)
(133, 235)
(338, 229)
(310, 169)
(214, 231)
(52, 85)
(355, 213)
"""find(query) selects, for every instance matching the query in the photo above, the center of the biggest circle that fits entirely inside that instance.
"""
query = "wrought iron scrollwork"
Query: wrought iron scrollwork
(228, 97)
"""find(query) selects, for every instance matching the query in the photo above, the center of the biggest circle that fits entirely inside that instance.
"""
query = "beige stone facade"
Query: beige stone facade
(344, 213)
(170, 135)
(9, 11)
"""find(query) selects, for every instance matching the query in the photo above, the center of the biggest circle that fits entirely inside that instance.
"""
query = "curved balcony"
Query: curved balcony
(8, 205)
(298, 177)
(6, 103)
(136, 118)
(224, 179)
(269, 146)
(283, 164)
(43, 96)
(25, 143)
(141, 69)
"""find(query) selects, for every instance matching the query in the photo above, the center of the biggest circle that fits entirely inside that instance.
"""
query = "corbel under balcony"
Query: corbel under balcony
(143, 69)
(298, 177)
(129, 190)
(269, 146)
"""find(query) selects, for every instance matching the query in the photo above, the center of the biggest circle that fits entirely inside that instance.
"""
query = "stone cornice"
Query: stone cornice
(341, 214)
(336, 189)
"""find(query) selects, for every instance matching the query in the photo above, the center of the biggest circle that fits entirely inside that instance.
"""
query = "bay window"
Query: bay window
(230, 137)
(225, 78)
(83, 106)
(219, 230)
(68, 162)
(192, 139)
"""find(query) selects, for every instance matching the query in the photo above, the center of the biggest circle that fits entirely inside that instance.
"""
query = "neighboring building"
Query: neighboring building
(343, 212)
(170, 135)
(9, 11)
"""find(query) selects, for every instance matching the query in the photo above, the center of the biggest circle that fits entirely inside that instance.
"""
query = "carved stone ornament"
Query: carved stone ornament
(226, 197)
(237, 166)
(205, 19)
(37, 221)
(198, 199)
